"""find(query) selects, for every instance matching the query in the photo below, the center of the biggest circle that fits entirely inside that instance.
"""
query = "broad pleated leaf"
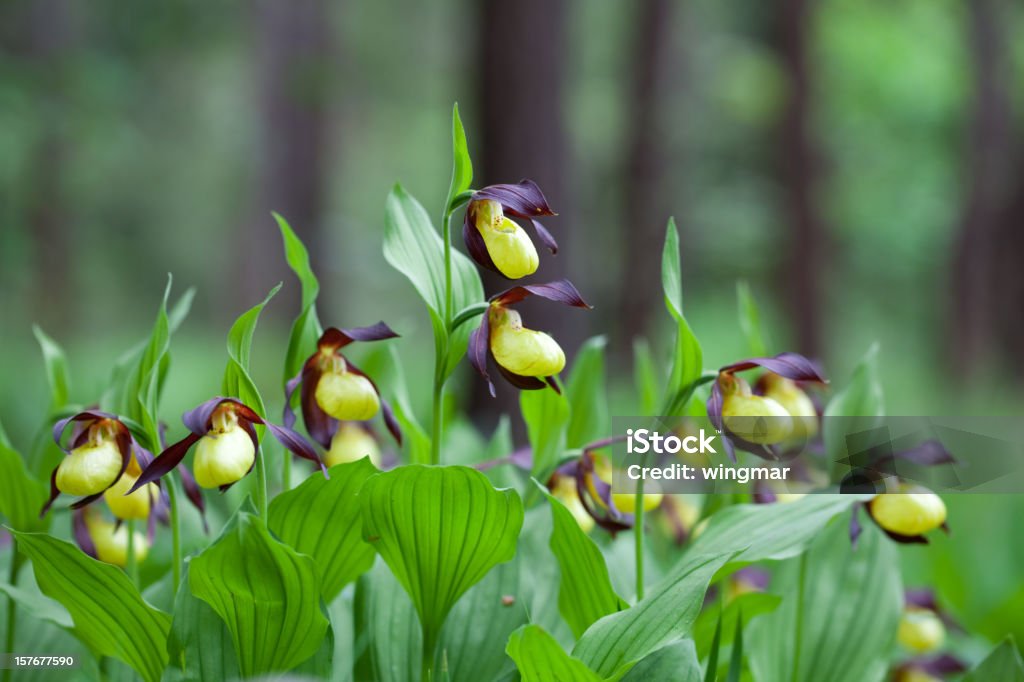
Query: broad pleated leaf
(585, 592)
(109, 614)
(677, 662)
(321, 518)
(389, 641)
(237, 382)
(199, 640)
(266, 593)
(741, 533)
(21, 495)
(546, 414)
(440, 530)
(541, 659)
(1003, 664)
(839, 614)
(587, 395)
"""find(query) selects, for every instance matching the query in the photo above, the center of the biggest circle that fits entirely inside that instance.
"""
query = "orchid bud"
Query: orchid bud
(564, 491)
(345, 395)
(523, 351)
(911, 512)
(350, 443)
(136, 505)
(799, 406)
(751, 417)
(111, 542)
(920, 630)
(226, 453)
(510, 248)
(92, 467)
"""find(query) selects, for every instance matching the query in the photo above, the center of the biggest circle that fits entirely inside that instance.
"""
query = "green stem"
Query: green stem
(441, 351)
(638, 535)
(172, 498)
(427, 664)
(12, 608)
(261, 485)
(286, 471)
(131, 565)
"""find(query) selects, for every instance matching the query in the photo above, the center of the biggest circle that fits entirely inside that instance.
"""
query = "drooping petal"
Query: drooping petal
(295, 443)
(545, 237)
(790, 365)
(479, 340)
(166, 461)
(288, 416)
(522, 200)
(334, 338)
(81, 533)
(86, 501)
(83, 416)
(319, 425)
(560, 291)
(855, 527)
(54, 494)
(928, 453)
(521, 382)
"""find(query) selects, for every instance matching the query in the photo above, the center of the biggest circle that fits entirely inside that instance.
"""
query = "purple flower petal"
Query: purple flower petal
(521, 200)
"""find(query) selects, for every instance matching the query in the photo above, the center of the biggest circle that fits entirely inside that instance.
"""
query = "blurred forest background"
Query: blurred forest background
(860, 163)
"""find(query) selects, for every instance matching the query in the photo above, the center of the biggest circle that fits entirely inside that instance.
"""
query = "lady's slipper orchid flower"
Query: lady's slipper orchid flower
(498, 243)
(107, 541)
(794, 401)
(102, 456)
(920, 630)
(351, 442)
(227, 445)
(334, 390)
(527, 359)
(756, 422)
(592, 492)
(911, 512)
(563, 488)
(623, 502)
(679, 516)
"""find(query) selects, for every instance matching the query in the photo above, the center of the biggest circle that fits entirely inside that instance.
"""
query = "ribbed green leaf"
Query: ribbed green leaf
(587, 395)
(750, 320)
(585, 592)
(56, 369)
(1003, 664)
(462, 166)
(321, 518)
(688, 357)
(414, 248)
(540, 658)
(440, 530)
(677, 662)
(199, 641)
(862, 398)
(474, 636)
(388, 637)
(546, 414)
(306, 329)
(144, 382)
(298, 260)
(839, 616)
(741, 533)
(415, 439)
(21, 495)
(109, 614)
(266, 593)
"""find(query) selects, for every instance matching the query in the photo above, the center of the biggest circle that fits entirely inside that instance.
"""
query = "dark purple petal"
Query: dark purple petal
(941, 665)
(545, 237)
(477, 247)
(790, 365)
(560, 291)
(54, 493)
(319, 425)
(855, 528)
(192, 492)
(763, 494)
(522, 200)
(521, 382)
(334, 338)
(84, 416)
(81, 533)
(199, 420)
(143, 456)
(928, 453)
(604, 442)
(757, 578)
(246, 413)
(247, 426)
(922, 598)
(288, 417)
(390, 421)
(550, 381)
(295, 443)
(730, 440)
(86, 501)
(166, 461)
(479, 340)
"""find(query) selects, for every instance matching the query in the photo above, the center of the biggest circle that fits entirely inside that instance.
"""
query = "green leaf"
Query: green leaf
(266, 593)
(711, 673)
(440, 530)
(321, 518)
(298, 260)
(416, 441)
(21, 495)
(587, 395)
(56, 369)
(413, 247)
(862, 398)
(388, 641)
(746, 606)
(740, 533)
(540, 658)
(736, 660)
(645, 379)
(688, 357)
(546, 414)
(677, 662)
(474, 636)
(199, 640)
(39, 605)
(1003, 664)
(142, 396)
(839, 616)
(585, 592)
(109, 614)
(462, 166)
(750, 320)
(237, 382)
(306, 329)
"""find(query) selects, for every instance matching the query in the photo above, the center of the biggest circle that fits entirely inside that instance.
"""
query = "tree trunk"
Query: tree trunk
(521, 93)
(646, 205)
(973, 296)
(799, 170)
(294, 47)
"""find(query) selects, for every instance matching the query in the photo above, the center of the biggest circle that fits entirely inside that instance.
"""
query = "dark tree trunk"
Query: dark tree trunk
(294, 48)
(988, 165)
(799, 170)
(646, 205)
(521, 81)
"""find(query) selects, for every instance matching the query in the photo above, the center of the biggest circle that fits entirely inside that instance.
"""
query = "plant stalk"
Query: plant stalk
(286, 470)
(172, 498)
(441, 351)
(261, 484)
(12, 608)
(638, 535)
(131, 564)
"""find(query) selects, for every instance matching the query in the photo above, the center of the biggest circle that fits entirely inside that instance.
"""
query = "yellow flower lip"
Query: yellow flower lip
(913, 511)
(131, 505)
(90, 468)
(510, 248)
(352, 442)
(920, 630)
(347, 396)
(224, 455)
(564, 490)
(111, 542)
(753, 418)
(523, 351)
